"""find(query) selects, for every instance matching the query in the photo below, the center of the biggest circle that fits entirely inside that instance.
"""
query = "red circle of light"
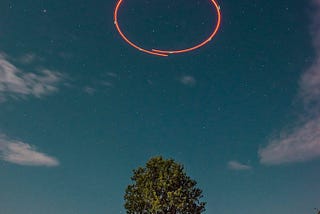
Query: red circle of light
(158, 52)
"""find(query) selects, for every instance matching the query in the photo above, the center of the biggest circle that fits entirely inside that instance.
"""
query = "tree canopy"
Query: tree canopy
(162, 187)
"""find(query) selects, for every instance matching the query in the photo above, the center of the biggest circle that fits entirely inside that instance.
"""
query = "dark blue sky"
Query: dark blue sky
(80, 108)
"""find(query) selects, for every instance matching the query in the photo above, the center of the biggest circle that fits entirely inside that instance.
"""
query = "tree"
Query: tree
(162, 187)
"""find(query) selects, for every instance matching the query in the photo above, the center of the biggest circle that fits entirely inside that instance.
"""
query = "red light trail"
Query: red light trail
(164, 53)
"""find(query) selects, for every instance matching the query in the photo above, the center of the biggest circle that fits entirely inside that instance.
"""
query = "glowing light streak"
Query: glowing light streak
(165, 53)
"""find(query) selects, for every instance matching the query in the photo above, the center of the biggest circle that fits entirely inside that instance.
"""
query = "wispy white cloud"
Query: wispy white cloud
(299, 145)
(188, 80)
(89, 90)
(302, 143)
(28, 58)
(19, 84)
(107, 84)
(112, 74)
(235, 165)
(21, 153)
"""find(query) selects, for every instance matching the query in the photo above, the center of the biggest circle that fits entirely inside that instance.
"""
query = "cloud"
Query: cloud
(24, 154)
(19, 84)
(188, 80)
(302, 143)
(89, 90)
(28, 58)
(111, 74)
(107, 84)
(299, 145)
(235, 165)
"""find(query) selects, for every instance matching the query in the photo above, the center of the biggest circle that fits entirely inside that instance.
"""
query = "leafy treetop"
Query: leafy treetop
(162, 187)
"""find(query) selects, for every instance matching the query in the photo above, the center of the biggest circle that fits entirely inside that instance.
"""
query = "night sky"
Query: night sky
(80, 108)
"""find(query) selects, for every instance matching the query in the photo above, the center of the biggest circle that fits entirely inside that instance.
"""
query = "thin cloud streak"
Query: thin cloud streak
(188, 80)
(21, 153)
(19, 84)
(28, 58)
(302, 143)
(89, 90)
(237, 166)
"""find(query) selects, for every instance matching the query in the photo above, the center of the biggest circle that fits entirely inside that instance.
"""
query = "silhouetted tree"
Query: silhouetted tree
(162, 187)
